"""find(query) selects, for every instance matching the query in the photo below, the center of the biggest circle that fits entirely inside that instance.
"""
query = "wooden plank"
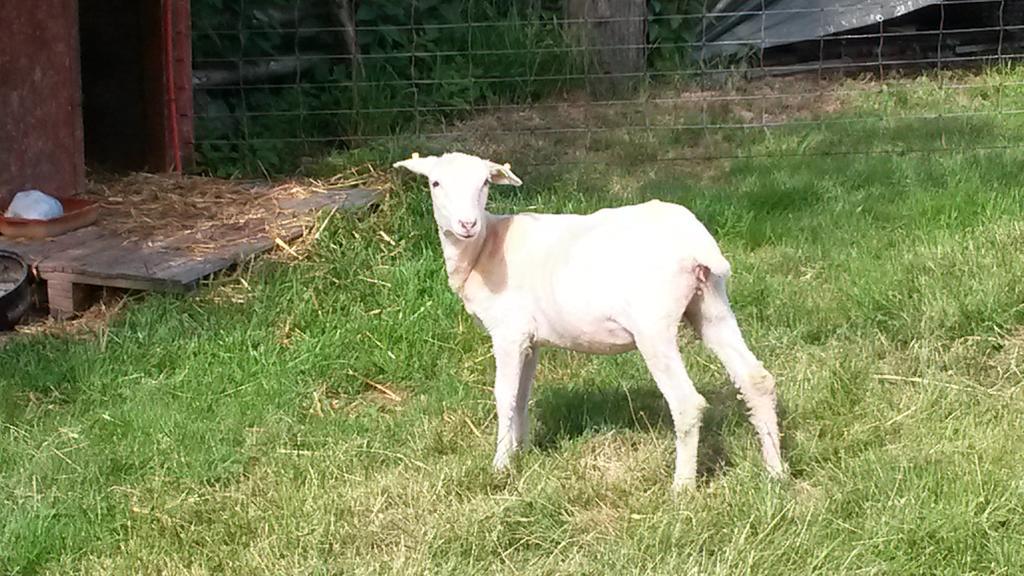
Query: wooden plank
(235, 253)
(72, 258)
(230, 255)
(108, 262)
(122, 266)
(340, 199)
(111, 263)
(94, 256)
(192, 267)
(126, 265)
(67, 298)
(34, 251)
(151, 284)
(290, 208)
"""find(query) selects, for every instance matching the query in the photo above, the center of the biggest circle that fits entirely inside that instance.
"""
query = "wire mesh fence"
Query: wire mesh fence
(556, 81)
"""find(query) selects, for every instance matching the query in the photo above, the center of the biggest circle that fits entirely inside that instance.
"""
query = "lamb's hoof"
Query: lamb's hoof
(501, 465)
(779, 473)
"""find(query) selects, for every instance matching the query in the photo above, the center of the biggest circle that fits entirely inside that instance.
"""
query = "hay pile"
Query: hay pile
(203, 214)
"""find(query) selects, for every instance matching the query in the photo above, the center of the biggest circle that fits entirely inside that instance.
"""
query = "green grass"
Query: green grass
(235, 433)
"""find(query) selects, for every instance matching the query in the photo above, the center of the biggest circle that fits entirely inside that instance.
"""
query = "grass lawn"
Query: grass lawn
(333, 414)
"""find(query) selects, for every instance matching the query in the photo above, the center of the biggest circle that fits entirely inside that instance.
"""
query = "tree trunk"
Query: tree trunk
(613, 34)
(345, 17)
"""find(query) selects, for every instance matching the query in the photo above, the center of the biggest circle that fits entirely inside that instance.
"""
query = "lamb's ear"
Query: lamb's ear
(502, 174)
(419, 164)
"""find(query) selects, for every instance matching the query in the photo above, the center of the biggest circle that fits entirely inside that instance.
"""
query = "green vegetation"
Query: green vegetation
(422, 65)
(333, 414)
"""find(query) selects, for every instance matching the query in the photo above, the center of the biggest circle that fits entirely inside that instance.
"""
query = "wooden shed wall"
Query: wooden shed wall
(40, 98)
(41, 112)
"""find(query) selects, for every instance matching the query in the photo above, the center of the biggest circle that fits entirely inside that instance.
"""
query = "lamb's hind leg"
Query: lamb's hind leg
(520, 421)
(660, 350)
(712, 318)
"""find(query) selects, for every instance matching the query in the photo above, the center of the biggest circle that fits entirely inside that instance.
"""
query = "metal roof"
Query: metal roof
(737, 25)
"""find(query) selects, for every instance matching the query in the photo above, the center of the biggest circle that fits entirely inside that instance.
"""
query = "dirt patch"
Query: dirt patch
(662, 122)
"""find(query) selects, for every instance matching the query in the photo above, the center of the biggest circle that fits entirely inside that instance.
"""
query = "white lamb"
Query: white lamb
(605, 283)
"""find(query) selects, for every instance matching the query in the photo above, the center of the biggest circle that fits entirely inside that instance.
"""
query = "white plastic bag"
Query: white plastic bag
(34, 205)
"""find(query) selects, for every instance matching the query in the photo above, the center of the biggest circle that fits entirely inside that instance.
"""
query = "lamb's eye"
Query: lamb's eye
(435, 184)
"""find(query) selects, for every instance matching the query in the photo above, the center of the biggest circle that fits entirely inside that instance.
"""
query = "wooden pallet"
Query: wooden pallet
(74, 264)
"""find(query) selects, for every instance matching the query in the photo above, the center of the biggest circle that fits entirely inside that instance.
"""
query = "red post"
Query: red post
(182, 19)
(169, 59)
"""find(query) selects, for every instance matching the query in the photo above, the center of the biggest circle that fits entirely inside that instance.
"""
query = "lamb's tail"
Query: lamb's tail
(704, 273)
(702, 248)
(717, 264)
(710, 258)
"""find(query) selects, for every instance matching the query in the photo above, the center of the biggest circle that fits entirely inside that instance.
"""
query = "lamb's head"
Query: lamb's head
(458, 188)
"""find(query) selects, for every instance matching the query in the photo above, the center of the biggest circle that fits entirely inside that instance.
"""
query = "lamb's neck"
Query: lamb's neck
(461, 256)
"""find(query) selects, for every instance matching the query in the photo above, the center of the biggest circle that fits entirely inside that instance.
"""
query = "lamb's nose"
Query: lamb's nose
(467, 226)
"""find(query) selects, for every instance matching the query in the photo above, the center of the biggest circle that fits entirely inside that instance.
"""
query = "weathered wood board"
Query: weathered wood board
(92, 256)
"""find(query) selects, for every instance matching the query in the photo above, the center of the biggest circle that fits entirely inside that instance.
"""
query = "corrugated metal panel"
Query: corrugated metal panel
(737, 25)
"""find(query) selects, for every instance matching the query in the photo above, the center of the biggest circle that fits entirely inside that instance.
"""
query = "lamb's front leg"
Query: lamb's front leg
(509, 356)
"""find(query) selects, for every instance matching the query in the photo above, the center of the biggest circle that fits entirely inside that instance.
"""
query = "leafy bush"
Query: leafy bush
(673, 30)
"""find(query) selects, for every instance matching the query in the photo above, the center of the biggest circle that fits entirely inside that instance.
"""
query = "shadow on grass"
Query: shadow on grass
(569, 412)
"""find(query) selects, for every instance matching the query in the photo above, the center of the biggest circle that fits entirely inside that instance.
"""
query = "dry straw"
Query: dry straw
(203, 214)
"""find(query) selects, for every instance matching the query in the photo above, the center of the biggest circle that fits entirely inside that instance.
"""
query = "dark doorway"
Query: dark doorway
(121, 82)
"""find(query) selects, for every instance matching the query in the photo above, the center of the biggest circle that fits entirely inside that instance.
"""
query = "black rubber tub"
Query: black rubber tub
(14, 289)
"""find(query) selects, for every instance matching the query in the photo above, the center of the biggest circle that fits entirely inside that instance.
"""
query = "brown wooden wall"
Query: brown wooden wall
(128, 115)
(40, 98)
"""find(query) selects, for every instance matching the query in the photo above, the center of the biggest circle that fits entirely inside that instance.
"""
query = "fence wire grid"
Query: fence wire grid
(538, 82)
